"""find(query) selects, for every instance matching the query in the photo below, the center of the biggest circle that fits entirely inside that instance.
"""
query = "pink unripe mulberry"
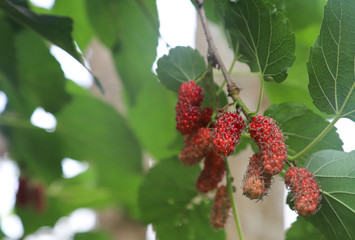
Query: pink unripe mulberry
(256, 182)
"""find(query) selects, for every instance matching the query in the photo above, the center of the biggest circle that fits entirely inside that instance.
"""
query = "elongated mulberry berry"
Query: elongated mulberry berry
(196, 146)
(226, 133)
(271, 142)
(256, 182)
(188, 107)
(305, 190)
(221, 208)
(212, 173)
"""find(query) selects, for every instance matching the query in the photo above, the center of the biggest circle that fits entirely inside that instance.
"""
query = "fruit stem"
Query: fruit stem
(231, 195)
(213, 55)
(316, 140)
(260, 95)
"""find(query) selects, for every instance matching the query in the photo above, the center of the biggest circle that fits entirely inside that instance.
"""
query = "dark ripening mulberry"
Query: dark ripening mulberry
(205, 117)
(188, 107)
(305, 190)
(212, 173)
(226, 133)
(196, 146)
(221, 208)
(23, 193)
(38, 198)
(256, 182)
(271, 142)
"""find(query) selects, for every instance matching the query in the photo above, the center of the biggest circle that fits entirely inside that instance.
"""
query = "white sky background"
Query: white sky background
(177, 27)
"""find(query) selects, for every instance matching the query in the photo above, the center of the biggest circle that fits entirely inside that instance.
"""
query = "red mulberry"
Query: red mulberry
(271, 142)
(227, 131)
(304, 189)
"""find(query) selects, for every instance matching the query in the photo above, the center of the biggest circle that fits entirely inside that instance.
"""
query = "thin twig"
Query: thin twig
(215, 59)
(212, 51)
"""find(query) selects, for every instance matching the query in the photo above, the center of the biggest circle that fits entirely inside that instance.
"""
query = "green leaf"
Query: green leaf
(40, 81)
(38, 152)
(334, 171)
(53, 28)
(93, 235)
(302, 229)
(7, 49)
(76, 10)
(311, 12)
(300, 125)
(331, 61)
(166, 199)
(182, 64)
(94, 131)
(295, 89)
(130, 29)
(155, 107)
(29, 81)
(264, 37)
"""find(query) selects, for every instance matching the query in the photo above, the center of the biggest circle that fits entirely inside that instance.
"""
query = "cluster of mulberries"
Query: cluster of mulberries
(210, 144)
(304, 189)
(30, 194)
(270, 159)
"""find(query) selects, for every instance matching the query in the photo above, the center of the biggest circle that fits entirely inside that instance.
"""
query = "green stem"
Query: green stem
(325, 130)
(316, 140)
(260, 95)
(212, 90)
(231, 194)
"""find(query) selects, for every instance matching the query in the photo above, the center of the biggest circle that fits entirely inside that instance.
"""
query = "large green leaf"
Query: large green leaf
(55, 29)
(264, 37)
(96, 132)
(166, 200)
(331, 61)
(93, 235)
(335, 173)
(300, 125)
(40, 81)
(130, 30)
(153, 120)
(295, 89)
(29, 81)
(7, 49)
(76, 10)
(182, 64)
(311, 12)
(302, 229)
(38, 152)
